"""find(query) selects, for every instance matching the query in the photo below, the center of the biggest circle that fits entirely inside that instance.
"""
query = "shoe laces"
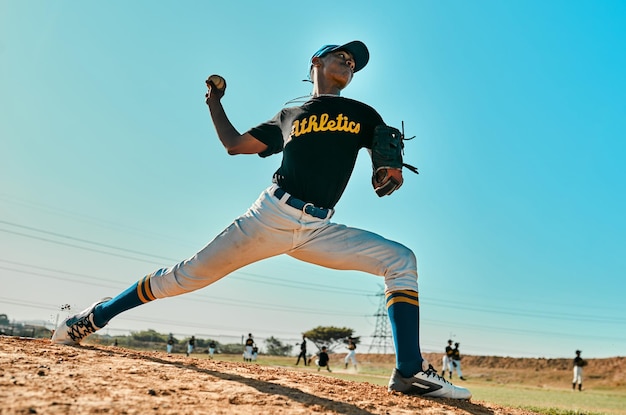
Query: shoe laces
(81, 328)
(431, 371)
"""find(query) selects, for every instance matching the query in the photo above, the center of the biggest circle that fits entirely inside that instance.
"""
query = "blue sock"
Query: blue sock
(137, 294)
(403, 311)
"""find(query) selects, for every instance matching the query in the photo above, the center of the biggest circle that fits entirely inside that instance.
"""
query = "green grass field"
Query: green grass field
(544, 400)
(552, 401)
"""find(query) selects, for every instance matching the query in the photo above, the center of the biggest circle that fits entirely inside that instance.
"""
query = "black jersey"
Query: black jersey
(320, 141)
(323, 359)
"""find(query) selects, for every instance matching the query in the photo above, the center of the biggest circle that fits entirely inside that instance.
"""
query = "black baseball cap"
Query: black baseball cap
(357, 49)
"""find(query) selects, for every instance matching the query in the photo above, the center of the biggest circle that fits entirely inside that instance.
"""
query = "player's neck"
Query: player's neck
(320, 87)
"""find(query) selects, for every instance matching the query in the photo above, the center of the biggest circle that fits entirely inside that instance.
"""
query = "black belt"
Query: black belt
(307, 208)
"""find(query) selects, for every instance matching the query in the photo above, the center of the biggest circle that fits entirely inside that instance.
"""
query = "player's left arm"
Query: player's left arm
(387, 163)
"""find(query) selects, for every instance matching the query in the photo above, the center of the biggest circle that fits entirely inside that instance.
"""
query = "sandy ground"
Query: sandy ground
(37, 377)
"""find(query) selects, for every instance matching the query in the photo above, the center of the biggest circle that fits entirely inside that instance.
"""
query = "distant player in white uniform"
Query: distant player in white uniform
(579, 363)
(351, 356)
(191, 344)
(212, 347)
(170, 344)
(248, 348)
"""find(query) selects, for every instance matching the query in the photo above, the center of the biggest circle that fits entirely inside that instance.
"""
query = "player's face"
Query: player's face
(339, 66)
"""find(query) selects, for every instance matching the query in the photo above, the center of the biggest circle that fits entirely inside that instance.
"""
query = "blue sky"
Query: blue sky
(111, 167)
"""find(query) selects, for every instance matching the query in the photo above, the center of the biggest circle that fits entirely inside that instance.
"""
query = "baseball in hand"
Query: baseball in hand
(218, 81)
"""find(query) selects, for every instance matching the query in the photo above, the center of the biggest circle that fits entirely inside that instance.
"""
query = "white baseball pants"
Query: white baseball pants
(271, 227)
(350, 357)
(578, 375)
(458, 367)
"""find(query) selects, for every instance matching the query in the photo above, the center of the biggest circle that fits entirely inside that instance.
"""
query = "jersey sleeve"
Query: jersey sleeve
(374, 119)
(270, 133)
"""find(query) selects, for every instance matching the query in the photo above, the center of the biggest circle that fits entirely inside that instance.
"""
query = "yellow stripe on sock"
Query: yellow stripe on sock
(403, 296)
(139, 291)
(143, 290)
(402, 300)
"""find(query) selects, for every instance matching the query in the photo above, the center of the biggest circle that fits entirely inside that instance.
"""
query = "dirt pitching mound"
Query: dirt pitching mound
(37, 377)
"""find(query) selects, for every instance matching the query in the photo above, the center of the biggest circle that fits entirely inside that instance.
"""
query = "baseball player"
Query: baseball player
(447, 360)
(248, 348)
(170, 344)
(579, 363)
(319, 141)
(322, 360)
(351, 356)
(456, 361)
(302, 354)
(191, 344)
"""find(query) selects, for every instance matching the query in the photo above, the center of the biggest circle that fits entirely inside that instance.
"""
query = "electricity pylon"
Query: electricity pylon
(381, 339)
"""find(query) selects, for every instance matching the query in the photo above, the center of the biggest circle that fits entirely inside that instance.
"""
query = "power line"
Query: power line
(524, 313)
(78, 246)
(80, 217)
(320, 287)
(72, 238)
(194, 324)
(294, 284)
(281, 282)
(262, 279)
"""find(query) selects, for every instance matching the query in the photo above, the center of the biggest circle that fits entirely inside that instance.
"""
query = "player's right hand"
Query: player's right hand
(213, 91)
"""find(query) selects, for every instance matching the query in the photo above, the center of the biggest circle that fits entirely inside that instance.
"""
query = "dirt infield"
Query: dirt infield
(37, 377)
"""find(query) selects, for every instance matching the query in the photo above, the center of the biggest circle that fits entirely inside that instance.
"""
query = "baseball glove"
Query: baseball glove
(387, 149)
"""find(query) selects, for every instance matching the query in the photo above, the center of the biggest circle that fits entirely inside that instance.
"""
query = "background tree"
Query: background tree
(231, 348)
(149, 335)
(331, 337)
(274, 347)
(5, 325)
